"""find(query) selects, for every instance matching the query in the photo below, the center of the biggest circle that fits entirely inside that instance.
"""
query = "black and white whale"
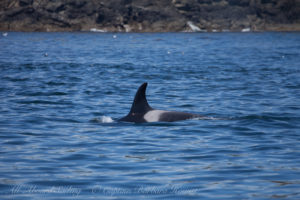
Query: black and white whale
(141, 111)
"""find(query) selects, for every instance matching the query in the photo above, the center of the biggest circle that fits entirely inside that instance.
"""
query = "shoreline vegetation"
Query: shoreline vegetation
(150, 15)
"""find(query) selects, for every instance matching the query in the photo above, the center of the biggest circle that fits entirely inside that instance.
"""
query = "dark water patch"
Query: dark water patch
(267, 118)
(30, 133)
(57, 183)
(55, 83)
(16, 79)
(14, 142)
(200, 157)
(9, 135)
(55, 93)
(265, 147)
(62, 119)
(238, 170)
(43, 102)
(76, 156)
(291, 86)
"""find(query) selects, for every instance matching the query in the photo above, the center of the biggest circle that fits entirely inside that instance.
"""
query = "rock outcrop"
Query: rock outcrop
(149, 15)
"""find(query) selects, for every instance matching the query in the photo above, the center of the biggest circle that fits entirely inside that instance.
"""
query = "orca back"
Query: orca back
(141, 111)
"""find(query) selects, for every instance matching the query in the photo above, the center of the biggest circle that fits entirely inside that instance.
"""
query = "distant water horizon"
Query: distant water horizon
(62, 93)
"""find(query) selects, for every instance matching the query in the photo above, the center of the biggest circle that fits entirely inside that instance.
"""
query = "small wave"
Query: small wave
(208, 118)
(103, 119)
(265, 117)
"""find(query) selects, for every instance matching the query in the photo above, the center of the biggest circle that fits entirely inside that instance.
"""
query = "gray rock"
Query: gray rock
(149, 15)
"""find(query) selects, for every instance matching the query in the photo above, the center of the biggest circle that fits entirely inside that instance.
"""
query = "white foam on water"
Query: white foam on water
(207, 118)
(102, 119)
(106, 119)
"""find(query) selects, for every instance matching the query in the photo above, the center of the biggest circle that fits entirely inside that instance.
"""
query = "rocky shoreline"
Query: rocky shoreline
(150, 15)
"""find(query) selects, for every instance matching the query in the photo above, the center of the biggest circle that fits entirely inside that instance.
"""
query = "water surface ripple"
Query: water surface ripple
(59, 93)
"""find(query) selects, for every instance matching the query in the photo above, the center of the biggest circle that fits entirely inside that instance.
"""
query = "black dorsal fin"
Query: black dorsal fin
(140, 104)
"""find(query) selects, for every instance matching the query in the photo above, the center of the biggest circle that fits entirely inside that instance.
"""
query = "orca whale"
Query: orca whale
(141, 111)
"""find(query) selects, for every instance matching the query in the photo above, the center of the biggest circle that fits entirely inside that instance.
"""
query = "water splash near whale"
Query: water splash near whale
(102, 119)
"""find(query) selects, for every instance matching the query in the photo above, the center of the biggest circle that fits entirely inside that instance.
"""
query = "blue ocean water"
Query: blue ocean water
(61, 93)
